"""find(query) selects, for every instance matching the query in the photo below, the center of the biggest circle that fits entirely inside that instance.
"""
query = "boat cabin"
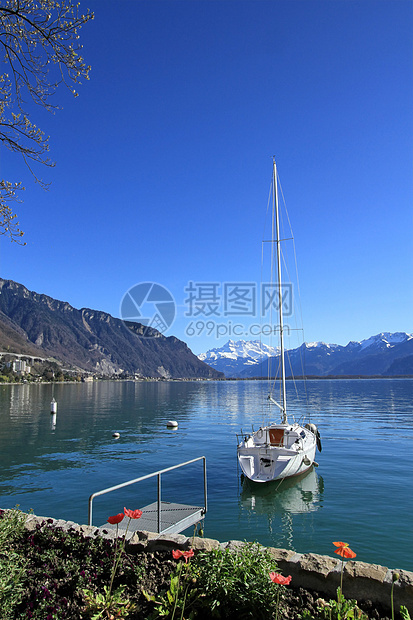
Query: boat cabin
(278, 436)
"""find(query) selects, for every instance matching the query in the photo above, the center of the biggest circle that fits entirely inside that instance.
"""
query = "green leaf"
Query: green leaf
(174, 585)
(149, 597)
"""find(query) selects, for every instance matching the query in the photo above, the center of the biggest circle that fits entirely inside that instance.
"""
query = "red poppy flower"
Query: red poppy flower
(133, 514)
(344, 550)
(116, 519)
(277, 578)
(177, 553)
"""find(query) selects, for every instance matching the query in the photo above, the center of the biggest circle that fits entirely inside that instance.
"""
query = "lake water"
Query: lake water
(362, 491)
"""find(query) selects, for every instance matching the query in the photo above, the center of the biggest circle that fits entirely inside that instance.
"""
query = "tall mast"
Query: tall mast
(280, 297)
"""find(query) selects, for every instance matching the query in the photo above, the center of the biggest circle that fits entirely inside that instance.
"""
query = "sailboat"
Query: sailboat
(285, 449)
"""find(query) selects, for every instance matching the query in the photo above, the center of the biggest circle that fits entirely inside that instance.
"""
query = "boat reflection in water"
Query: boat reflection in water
(280, 500)
(294, 495)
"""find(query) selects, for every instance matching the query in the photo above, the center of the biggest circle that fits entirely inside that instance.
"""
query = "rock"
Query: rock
(167, 542)
(233, 545)
(108, 533)
(31, 522)
(320, 564)
(68, 525)
(315, 572)
(281, 555)
(88, 530)
(204, 544)
(364, 570)
(143, 535)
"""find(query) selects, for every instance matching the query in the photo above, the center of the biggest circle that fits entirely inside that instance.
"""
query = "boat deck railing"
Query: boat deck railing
(159, 509)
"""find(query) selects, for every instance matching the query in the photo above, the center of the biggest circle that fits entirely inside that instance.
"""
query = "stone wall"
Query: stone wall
(321, 573)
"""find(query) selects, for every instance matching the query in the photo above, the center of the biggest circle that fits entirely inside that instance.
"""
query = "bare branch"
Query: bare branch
(40, 44)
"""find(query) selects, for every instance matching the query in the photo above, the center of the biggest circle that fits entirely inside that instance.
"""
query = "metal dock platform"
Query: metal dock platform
(161, 516)
(174, 518)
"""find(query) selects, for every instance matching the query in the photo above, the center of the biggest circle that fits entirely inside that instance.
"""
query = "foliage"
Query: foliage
(60, 566)
(404, 612)
(175, 600)
(111, 602)
(12, 563)
(11, 526)
(48, 573)
(341, 609)
(234, 584)
(39, 41)
(280, 580)
(108, 604)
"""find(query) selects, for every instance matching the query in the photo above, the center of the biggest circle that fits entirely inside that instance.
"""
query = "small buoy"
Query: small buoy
(172, 424)
(53, 406)
(116, 435)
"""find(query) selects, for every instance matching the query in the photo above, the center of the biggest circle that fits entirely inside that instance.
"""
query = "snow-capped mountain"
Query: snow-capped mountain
(386, 354)
(235, 356)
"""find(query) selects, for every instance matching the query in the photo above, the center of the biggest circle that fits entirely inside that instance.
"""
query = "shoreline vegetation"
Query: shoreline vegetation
(95, 379)
(56, 570)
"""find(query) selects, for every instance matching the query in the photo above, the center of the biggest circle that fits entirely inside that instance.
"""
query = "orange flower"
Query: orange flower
(116, 519)
(277, 578)
(344, 550)
(133, 514)
(177, 553)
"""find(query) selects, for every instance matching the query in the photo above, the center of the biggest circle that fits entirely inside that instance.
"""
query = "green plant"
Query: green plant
(396, 577)
(404, 612)
(280, 581)
(169, 602)
(12, 563)
(341, 609)
(110, 601)
(60, 564)
(112, 604)
(234, 584)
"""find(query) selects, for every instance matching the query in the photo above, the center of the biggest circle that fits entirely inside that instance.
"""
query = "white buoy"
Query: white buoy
(53, 406)
(116, 435)
(172, 424)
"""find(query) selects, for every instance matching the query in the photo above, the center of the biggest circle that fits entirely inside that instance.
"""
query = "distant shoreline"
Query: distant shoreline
(198, 380)
(319, 377)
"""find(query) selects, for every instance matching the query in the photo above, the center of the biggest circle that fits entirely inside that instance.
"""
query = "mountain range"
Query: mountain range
(235, 357)
(385, 354)
(37, 325)
(40, 326)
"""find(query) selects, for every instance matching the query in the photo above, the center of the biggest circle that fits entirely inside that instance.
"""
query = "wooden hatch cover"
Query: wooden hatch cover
(276, 436)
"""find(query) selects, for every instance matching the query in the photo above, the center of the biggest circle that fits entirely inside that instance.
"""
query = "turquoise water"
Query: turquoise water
(362, 491)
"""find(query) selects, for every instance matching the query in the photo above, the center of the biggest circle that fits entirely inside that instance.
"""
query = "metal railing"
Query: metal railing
(156, 473)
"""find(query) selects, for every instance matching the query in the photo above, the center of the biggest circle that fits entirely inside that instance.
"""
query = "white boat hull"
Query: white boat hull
(277, 451)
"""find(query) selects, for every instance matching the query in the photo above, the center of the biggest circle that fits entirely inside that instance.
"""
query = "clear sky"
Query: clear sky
(163, 163)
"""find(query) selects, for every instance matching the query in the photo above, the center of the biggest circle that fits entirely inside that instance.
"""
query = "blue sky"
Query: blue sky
(163, 163)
